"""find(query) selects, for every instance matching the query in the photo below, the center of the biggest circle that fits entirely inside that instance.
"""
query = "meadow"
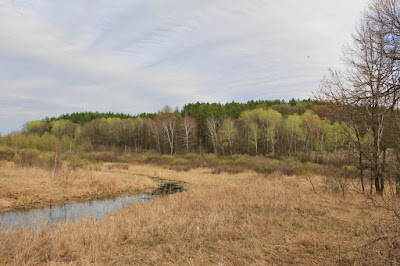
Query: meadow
(229, 215)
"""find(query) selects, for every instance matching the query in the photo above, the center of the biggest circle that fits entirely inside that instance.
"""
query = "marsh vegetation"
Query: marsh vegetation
(234, 218)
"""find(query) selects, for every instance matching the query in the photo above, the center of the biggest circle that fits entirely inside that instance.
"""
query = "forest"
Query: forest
(256, 128)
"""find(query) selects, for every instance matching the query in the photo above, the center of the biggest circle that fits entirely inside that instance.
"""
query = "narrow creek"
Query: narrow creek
(70, 212)
(76, 211)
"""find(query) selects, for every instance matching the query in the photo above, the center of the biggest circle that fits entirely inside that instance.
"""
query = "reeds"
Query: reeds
(32, 186)
(233, 219)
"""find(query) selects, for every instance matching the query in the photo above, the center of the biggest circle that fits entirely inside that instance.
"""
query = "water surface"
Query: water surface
(71, 211)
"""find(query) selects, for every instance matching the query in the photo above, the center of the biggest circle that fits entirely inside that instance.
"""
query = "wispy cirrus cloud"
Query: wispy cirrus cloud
(137, 56)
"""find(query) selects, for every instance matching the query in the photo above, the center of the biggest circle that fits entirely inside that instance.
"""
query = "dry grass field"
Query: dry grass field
(30, 187)
(226, 219)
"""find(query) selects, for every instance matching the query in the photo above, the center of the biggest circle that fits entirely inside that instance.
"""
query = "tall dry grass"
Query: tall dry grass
(222, 219)
(32, 186)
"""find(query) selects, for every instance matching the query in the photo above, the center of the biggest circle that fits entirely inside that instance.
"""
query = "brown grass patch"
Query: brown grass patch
(32, 186)
(234, 219)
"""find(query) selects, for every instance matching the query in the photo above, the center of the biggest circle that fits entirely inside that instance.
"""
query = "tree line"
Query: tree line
(274, 129)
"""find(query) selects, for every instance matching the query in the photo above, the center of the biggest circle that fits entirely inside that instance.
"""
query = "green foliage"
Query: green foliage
(47, 161)
(6, 153)
(85, 117)
(77, 162)
(241, 158)
(26, 157)
(228, 134)
(100, 156)
(272, 128)
(167, 159)
(37, 127)
(180, 161)
(126, 158)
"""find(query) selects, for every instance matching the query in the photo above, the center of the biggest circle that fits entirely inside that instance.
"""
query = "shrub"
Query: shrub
(6, 153)
(154, 158)
(241, 158)
(126, 158)
(26, 157)
(76, 162)
(106, 157)
(193, 157)
(167, 159)
(180, 161)
(100, 156)
(47, 161)
(210, 159)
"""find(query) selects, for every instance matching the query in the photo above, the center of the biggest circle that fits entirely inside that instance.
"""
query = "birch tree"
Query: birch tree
(212, 127)
(228, 134)
(188, 135)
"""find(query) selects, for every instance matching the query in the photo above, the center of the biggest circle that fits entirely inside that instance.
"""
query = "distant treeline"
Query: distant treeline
(200, 111)
(197, 110)
(255, 127)
(83, 117)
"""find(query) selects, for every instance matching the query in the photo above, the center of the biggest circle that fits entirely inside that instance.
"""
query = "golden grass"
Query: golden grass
(224, 219)
(32, 186)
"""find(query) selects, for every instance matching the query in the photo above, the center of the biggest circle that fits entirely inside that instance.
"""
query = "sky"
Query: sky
(135, 56)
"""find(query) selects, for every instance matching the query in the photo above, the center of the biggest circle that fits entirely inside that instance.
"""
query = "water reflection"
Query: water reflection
(71, 211)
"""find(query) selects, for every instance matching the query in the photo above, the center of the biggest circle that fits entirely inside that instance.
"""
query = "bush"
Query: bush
(180, 161)
(126, 158)
(210, 159)
(193, 157)
(26, 157)
(167, 159)
(152, 158)
(76, 162)
(47, 161)
(100, 156)
(6, 153)
(241, 158)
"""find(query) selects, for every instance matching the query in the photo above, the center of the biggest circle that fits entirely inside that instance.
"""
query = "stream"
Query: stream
(74, 211)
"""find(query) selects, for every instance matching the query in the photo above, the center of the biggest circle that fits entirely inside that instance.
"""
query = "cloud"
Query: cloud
(137, 56)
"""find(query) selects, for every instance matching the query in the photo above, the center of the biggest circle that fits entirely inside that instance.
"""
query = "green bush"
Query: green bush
(126, 158)
(167, 159)
(47, 161)
(193, 157)
(241, 158)
(76, 162)
(100, 156)
(27, 157)
(180, 161)
(151, 158)
(210, 159)
(6, 153)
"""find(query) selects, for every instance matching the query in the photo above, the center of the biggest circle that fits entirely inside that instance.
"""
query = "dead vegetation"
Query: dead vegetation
(27, 187)
(234, 219)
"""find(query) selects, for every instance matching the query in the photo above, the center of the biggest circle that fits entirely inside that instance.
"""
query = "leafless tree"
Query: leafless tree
(169, 122)
(369, 81)
(188, 135)
(212, 128)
